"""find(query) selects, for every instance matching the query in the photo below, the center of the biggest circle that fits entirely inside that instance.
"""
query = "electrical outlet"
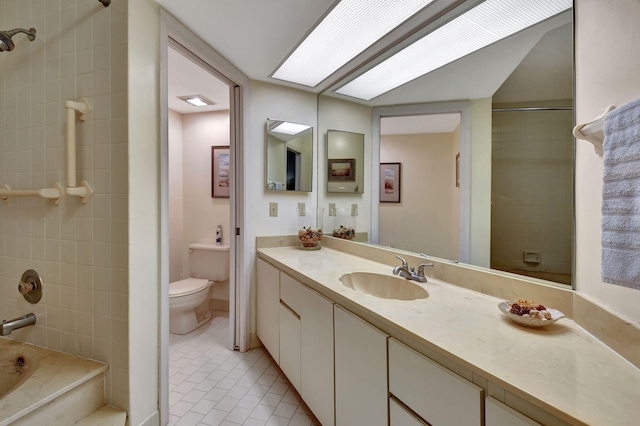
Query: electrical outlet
(301, 209)
(332, 209)
(354, 210)
(273, 209)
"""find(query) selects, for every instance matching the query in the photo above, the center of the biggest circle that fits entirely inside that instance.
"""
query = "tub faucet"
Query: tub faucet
(410, 273)
(23, 321)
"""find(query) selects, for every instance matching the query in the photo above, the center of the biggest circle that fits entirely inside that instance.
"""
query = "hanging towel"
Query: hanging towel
(621, 197)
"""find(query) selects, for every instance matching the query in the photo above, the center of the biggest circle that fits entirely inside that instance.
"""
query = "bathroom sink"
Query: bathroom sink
(384, 286)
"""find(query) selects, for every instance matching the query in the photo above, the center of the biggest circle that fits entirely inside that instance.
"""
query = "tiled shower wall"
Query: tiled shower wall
(80, 250)
(532, 194)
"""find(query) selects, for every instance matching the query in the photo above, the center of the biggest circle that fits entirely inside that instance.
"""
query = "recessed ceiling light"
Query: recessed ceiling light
(290, 128)
(350, 28)
(479, 27)
(197, 100)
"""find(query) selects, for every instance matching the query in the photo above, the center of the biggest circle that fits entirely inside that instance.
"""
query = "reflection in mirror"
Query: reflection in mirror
(289, 156)
(527, 194)
(345, 162)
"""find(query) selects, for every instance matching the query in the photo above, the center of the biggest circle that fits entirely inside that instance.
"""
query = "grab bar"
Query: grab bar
(55, 194)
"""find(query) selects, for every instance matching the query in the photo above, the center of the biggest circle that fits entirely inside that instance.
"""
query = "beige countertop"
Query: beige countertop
(560, 368)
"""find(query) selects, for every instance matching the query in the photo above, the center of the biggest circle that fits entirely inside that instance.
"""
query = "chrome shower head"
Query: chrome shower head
(6, 44)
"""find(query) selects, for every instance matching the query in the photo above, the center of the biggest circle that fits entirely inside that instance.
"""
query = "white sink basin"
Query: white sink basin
(384, 286)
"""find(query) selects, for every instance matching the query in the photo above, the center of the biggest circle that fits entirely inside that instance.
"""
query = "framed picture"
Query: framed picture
(220, 171)
(341, 169)
(390, 174)
(458, 170)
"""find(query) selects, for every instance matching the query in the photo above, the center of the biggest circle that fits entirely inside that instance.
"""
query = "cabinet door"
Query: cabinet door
(290, 345)
(268, 308)
(361, 371)
(436, 394)
(401, 416)
(499, 414)
(316, 346)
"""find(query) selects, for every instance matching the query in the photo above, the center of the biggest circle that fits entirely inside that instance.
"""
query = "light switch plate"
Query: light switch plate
(273, 209)
(301, 209)
(354, 210)
(332, 209)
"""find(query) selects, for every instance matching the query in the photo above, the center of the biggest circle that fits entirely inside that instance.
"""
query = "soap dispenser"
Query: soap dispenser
(219, 235)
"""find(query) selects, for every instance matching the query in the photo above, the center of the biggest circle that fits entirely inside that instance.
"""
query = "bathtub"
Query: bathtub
(42, 386)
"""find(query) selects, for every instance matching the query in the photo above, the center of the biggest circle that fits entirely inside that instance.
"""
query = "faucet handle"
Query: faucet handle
(421, 268)
(404, 262)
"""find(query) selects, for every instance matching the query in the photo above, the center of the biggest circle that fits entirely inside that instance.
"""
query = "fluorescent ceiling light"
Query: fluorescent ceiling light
(479, 27)
(350, 28)
(290, 128)
(197, 100)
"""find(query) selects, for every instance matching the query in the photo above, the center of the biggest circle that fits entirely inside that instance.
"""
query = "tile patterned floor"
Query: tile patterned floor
(209, 385)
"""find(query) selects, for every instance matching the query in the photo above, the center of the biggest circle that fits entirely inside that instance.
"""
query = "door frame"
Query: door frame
(174, 33)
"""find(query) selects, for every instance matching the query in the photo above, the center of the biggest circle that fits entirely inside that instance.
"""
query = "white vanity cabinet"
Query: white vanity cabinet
(434, 393)
(499, 414)
(306, 345)
(268, 307)
(360, 371)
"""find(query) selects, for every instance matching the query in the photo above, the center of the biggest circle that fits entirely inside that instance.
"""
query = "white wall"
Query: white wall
(425, 219)
(143, 47)
(176, 203)
(280, 103)
(480, 238)
(337, 114)
(607, 64)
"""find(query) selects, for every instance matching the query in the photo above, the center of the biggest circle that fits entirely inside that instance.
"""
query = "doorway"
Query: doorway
(426, 152)
(175, 36)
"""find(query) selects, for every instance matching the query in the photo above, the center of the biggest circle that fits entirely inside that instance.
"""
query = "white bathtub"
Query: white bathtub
(41, 386)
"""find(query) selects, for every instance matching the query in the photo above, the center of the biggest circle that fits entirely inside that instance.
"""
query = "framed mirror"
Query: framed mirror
(345, 162)
(289, 156)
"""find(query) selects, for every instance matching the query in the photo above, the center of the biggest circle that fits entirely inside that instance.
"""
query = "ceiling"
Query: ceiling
(257, 35)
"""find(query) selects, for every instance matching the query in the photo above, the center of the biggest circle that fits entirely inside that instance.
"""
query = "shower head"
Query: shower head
(6, 44)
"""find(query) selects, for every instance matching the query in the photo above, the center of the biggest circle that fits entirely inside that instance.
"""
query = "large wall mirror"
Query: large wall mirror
(289, 156)
(519, 93)
(345, 162)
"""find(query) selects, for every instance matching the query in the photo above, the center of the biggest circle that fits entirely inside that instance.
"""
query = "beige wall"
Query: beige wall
(425, 220)
(607, 72)
(177, 266)
(81, 250)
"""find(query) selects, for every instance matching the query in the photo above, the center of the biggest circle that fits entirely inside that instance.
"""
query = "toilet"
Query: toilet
(189, 298)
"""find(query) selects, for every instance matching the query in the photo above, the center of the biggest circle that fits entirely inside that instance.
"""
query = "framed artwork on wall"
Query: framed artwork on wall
(220, 171)
(341, 169)
(390, 189)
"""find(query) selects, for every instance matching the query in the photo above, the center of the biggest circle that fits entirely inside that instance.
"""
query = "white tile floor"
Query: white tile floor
(211, 385)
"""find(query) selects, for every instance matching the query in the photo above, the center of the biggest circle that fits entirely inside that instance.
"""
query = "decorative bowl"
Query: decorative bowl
(505, 307)
(310, 238)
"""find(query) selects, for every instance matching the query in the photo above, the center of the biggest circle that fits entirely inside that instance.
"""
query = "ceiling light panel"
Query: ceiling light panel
(479, 27)
(290, 128)
(350, 28)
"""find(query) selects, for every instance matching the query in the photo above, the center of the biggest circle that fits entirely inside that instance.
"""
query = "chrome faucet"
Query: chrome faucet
(14, 324)
(410, 273)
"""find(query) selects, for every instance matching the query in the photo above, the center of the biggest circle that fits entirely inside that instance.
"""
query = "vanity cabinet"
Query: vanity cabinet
(306, 345)
(360, 371)
(434, 393)
(268, 307)
(499, 414)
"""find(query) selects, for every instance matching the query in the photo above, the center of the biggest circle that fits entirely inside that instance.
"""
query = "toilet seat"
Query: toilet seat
(187, 286)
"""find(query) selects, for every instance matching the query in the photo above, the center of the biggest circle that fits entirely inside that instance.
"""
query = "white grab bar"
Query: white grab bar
(81, 109)
(55, 194)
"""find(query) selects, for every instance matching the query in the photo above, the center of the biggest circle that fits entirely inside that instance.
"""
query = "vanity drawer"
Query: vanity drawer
(434, 393)
(499, 414)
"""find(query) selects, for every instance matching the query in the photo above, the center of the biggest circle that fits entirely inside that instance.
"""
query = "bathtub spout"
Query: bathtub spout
(23, 321)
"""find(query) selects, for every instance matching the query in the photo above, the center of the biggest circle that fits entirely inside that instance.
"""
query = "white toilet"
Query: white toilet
(189, 298)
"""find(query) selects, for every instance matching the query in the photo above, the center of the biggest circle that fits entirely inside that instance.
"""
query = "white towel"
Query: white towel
(621, 197)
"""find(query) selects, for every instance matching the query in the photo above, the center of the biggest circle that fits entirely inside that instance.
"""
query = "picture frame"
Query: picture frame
(390, 182)
(341, 169)
(220, 171)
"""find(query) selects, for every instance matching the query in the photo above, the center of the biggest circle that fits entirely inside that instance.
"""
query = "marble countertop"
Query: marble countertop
(560, 368)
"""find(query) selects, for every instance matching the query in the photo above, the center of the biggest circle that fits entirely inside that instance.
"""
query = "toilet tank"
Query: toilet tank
(209, 261)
